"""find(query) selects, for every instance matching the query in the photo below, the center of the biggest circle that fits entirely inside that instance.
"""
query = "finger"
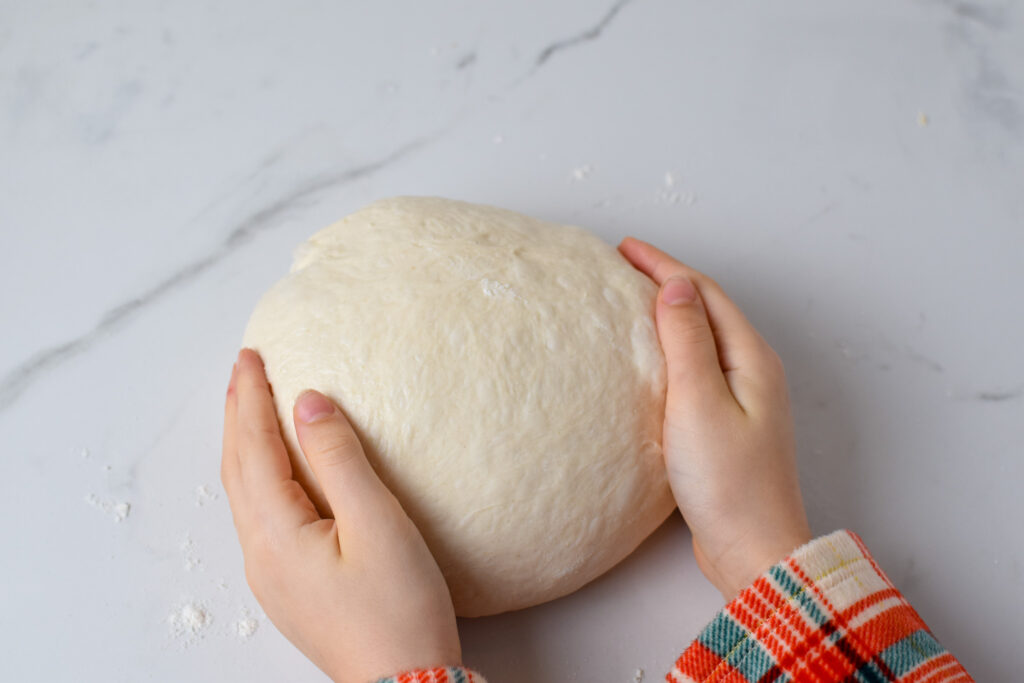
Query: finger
(270, 494)
(262, 452)
(229, 472)
(691, 357)
(742, 352)
(353, 490)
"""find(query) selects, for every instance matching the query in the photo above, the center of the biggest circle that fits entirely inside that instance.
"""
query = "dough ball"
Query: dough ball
(504, 376)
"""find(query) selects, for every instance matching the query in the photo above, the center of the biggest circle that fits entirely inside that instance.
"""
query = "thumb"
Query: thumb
(351, 486)
(688, 342)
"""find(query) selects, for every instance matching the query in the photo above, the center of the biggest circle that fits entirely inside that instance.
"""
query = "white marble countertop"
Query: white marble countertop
(852, 172)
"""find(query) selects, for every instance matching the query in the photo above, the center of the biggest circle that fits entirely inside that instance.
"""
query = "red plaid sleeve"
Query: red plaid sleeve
(449, 674)
(826, 613)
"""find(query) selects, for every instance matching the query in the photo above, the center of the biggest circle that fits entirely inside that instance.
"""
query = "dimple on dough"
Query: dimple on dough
(504, 376)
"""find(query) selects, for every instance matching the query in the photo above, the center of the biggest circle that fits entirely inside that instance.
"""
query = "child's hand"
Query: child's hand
(359, 594)
(728, 435)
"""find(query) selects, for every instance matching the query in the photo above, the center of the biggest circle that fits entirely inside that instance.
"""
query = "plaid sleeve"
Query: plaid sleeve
(826, 613)
(449, 674)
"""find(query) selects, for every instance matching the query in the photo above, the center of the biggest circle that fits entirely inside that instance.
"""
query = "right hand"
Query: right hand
(728, 434)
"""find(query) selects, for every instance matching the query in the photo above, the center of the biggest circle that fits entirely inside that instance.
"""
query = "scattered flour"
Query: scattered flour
(498, 139)
(188, 552)
(246, 627)
(498, 290)
(581, 172)
(188, 622)
(85, 453)
(922, 119)
(119, 510)
(638, 677)
(667, 194)
(204, 495)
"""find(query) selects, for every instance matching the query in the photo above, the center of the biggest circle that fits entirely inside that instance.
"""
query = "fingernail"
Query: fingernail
(253, 352)
(311, 406)
(678, 291)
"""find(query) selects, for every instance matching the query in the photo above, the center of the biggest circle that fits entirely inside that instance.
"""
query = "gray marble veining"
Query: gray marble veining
(592, 33)
(22, 376)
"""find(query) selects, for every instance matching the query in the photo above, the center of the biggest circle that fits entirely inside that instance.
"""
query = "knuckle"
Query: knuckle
(773, 362)
(693, 332)
(667, 268)
(264, 431)
(339, 451)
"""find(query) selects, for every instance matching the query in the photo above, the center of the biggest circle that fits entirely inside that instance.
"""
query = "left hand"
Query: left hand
(360, 594)
(728, 434)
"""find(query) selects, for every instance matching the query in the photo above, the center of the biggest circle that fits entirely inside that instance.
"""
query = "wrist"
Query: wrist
(757, 564)
(738, 568)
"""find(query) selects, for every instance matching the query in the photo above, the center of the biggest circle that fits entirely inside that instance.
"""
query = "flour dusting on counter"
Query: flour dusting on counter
(189, 621)
(204, 495)
(246, 627)
(118, 510)
(668, 194)
(581, 173)
(188, 552)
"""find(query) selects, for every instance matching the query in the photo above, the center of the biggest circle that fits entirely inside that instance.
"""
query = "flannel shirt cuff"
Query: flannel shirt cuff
(448, 674)
(826, 612)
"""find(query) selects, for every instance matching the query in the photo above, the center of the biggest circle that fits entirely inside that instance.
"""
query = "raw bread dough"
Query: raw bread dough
(504, 376)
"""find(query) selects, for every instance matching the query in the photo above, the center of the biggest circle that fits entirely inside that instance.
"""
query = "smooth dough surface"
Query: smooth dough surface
(504, 376)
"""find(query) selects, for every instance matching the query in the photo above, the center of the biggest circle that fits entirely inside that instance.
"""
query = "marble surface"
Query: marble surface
(853, 173)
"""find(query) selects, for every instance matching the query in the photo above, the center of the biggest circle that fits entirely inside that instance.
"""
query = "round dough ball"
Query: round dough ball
(504, 376)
